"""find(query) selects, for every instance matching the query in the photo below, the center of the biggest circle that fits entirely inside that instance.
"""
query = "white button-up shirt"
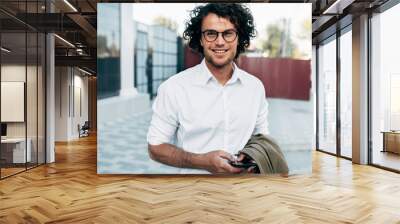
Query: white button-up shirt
(196, 113)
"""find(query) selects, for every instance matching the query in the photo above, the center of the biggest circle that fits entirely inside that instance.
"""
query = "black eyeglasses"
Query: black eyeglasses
(212, 35)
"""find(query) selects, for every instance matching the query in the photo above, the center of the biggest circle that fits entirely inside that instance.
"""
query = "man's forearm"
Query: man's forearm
(174, 156)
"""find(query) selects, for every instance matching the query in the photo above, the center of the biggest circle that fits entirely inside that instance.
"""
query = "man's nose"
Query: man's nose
(220, 40)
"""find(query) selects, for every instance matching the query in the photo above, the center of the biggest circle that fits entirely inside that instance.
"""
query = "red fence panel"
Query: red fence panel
(192, 58)
(282, 77)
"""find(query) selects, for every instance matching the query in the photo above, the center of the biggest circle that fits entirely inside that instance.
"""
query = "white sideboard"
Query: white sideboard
(18, 148)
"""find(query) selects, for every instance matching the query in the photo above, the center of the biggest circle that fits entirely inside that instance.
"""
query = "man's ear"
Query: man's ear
(201, 42)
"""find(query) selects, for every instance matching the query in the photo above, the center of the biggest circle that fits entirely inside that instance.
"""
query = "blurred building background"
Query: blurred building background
(156, 56)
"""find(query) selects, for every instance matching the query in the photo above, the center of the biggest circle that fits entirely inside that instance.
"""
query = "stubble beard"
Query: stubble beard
(211, 61)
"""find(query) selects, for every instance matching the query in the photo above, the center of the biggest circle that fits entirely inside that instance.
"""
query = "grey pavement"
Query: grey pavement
(122, 146)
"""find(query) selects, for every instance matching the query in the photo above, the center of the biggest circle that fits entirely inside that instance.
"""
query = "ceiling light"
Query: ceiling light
(79, 51)
(337, 7)
(70, 5)
(84, 71)
(65, 41)
(5, 50)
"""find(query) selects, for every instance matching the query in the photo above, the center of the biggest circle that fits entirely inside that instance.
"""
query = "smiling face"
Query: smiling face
(218, 53)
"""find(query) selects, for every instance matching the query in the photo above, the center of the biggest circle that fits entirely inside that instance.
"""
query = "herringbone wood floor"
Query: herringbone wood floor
(70, 191)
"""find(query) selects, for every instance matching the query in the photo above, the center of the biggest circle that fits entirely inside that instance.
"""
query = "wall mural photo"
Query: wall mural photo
(204, 88)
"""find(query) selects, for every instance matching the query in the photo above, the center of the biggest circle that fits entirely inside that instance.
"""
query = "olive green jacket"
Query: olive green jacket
(267, 154)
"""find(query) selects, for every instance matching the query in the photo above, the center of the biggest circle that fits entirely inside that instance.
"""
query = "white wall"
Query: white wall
(12, 73)
(70, 83)
(61, 103)
(33, 126)
(79, 117)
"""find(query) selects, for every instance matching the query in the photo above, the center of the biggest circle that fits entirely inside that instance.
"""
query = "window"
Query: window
(346, 94)
(327, 96)
(385, 88)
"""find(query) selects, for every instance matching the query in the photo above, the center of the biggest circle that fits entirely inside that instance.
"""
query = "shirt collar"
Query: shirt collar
(205, 75)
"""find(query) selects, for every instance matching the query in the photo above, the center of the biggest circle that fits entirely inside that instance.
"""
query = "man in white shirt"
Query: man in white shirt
(204, 115)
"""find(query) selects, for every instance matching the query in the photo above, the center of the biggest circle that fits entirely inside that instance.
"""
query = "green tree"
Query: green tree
(279, 42)
(303, 38)
(305, 32)
(166, 22)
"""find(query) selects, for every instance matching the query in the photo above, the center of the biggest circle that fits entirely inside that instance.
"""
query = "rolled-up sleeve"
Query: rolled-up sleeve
(261, 126)
(164, 121)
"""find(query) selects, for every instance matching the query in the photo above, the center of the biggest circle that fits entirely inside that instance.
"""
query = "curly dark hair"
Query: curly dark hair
(239, 15)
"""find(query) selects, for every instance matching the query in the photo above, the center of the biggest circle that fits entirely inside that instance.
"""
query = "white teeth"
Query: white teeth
(219, 51)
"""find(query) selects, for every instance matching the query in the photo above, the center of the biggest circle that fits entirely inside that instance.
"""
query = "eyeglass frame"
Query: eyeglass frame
(222, 33)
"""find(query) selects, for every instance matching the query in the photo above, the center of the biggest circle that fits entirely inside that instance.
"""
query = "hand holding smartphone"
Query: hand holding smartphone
(239, 164)
(244, 162)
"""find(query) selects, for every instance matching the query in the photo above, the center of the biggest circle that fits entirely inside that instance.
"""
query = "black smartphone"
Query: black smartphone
(242, 165)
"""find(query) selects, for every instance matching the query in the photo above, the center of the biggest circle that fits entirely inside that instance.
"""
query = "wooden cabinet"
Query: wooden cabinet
(391, 142)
